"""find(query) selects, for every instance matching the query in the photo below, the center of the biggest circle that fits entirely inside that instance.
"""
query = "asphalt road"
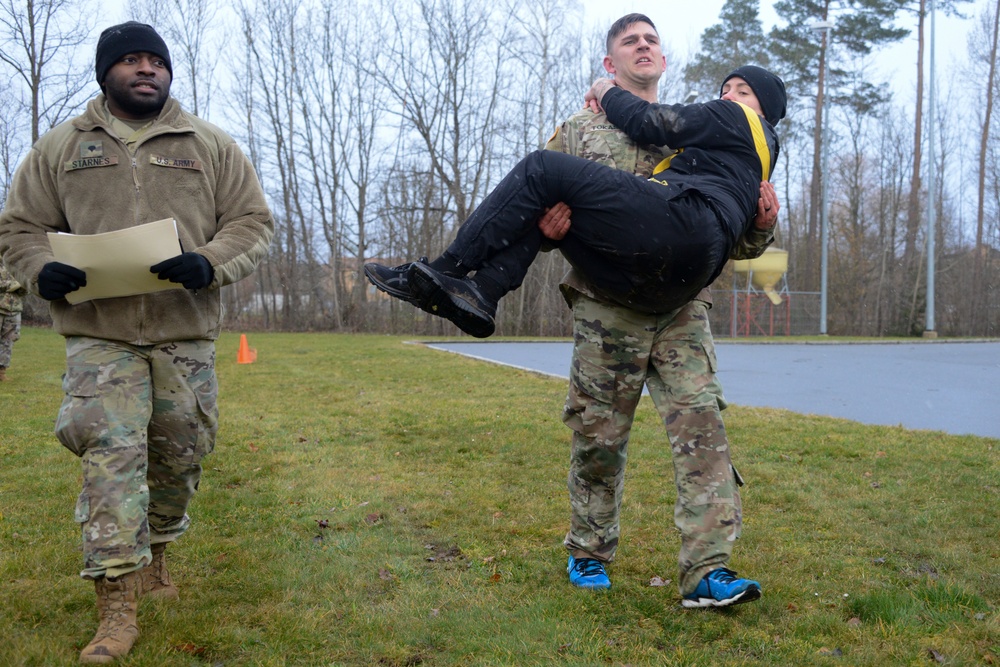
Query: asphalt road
(941, 386)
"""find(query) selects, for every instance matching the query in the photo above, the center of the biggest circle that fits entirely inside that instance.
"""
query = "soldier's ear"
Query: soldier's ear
(609, 65)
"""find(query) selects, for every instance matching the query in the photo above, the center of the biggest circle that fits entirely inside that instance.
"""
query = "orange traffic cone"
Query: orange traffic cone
(245, 355)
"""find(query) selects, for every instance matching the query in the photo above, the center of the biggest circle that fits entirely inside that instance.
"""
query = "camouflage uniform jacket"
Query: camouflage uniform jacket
(592, 136)
(81, 178)
(11, 293)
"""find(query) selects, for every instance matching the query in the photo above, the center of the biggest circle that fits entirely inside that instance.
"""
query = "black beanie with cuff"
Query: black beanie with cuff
(125, 38)
(769, 89)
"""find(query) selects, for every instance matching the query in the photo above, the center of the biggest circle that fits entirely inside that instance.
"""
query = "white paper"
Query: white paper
(117, 263)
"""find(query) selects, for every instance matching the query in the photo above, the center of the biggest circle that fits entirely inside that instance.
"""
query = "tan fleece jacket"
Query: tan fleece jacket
(80, 178)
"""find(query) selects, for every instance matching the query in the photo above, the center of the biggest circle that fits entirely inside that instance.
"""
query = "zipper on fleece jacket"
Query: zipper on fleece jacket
(138, 188)
(140, 324)
(141, 308)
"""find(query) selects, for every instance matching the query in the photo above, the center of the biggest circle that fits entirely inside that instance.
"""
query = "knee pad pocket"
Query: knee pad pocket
(81, 408)
(206, 395)
(81, 514)
(589, 405)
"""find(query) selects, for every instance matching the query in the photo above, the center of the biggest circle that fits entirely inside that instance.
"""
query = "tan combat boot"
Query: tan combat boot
(3, 373)
(116, 605)
(155, 578)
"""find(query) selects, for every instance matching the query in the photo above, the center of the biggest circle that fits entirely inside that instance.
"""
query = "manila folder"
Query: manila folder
(117, 263)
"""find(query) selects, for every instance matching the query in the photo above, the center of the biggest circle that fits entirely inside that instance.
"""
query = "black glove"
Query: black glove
(188, 268)
(56, 280)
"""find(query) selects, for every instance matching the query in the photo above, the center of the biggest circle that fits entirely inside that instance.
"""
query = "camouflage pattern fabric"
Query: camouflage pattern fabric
(141, 418)
(592, 136)
(11, 293)
(616, 351)
(10, 332)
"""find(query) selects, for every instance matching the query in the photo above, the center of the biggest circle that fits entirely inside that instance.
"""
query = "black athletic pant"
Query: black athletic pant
(645, 245)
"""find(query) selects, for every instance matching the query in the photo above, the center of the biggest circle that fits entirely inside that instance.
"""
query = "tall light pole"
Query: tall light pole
(929, 331)
(826, 27)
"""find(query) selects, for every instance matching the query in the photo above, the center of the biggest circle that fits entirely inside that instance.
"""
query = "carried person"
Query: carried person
(648, 244)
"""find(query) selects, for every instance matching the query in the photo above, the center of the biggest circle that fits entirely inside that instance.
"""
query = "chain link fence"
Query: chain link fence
(742, 314)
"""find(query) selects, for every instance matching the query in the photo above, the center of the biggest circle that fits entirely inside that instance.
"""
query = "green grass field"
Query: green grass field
(375, 502)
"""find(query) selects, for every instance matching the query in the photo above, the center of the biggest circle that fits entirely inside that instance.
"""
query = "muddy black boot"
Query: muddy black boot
(458, 300)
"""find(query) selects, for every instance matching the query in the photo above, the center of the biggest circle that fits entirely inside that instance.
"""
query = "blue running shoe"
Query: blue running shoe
(721, 588)
(587, 573)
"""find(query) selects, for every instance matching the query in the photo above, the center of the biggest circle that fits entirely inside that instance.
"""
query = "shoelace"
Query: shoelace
(723, 576)
(406, 265)
(588, 567)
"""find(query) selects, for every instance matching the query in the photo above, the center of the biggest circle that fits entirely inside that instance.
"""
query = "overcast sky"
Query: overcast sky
(681, 22)
(687, 19)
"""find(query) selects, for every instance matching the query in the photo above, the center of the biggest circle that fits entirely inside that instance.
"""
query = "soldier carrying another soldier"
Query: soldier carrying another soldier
(672, 354)
(647, 247)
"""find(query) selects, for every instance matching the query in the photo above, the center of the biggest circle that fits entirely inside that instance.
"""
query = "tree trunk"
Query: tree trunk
(978, 317)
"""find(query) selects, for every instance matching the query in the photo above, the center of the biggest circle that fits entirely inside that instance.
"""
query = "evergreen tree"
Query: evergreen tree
(860, 26)
(737, 39)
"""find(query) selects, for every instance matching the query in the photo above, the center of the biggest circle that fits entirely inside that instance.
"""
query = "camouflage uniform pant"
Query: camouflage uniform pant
(10, 331)
(141, 417)
(616, 351)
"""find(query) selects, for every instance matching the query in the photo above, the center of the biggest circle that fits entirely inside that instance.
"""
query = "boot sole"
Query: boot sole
(590, 585)
(431, 296)
(749, 595)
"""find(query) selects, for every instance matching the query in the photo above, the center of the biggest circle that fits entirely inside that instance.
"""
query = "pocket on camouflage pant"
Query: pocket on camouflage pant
(81, 410)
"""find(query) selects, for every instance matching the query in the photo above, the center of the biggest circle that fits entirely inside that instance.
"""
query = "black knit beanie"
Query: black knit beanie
(769, 89)
(129, 37)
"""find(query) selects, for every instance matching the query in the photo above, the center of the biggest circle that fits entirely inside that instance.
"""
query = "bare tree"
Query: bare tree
(913, 213)
(546, 46)
(363, 144)
(889, 206)
(11, 141)
(40, 41)
(190, 28)
(983, 55)
(449, 59)
(552, 80)
(854, 252)
(271, 33)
